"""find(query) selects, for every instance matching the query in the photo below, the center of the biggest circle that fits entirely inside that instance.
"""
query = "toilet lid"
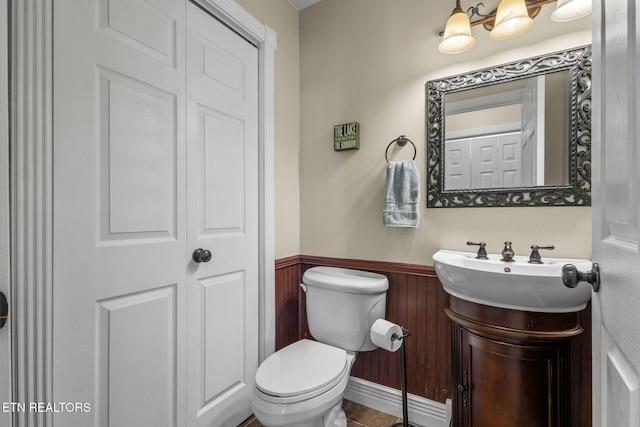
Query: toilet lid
(303, 368)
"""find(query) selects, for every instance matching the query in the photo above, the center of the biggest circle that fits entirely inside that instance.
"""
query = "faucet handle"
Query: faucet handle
(482, 252)
(535, 258)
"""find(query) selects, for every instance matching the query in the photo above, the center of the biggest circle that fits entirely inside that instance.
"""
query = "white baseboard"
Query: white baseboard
(422, 412)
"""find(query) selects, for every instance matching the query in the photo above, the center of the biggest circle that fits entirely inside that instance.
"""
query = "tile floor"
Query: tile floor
(357, 416)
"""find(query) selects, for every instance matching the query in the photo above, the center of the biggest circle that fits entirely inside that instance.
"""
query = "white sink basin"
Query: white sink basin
(516, 285)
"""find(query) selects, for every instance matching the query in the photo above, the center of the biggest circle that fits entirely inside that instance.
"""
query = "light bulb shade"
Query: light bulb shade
(512, 19)
(568, 10)
(457, 34)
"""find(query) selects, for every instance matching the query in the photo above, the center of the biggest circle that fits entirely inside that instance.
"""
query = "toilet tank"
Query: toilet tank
(342, 304)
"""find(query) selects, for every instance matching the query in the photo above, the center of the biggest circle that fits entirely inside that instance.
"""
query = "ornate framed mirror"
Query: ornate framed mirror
(517, 134)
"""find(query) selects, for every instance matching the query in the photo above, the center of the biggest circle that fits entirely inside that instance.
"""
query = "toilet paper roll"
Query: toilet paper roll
(382, 332)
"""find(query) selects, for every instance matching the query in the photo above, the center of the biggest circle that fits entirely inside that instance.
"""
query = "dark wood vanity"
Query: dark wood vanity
(518, 368)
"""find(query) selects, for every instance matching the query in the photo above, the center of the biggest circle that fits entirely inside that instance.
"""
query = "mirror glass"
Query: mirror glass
(514, 135)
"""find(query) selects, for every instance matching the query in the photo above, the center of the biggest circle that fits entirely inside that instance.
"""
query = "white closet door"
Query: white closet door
(145, 173)
(119, 212)
(222, 200)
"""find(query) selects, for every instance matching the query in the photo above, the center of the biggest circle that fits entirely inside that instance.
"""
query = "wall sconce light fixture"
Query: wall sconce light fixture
(510, 19)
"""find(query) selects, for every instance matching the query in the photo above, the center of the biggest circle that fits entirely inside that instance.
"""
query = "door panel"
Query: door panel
(221, 296)
(222, 194)
(616, 214)
(157, 38)
(222, 144)
(495, 368)
(622, 392)
(138, 161)
(123, 324)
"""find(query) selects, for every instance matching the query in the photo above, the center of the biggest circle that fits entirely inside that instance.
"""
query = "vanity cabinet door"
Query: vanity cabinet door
(508, 384)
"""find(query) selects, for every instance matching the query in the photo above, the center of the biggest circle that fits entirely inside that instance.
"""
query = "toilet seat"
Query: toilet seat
(301, 371)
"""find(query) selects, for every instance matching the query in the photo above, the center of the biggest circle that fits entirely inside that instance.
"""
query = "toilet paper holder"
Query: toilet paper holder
(405, 333)
(403, 359)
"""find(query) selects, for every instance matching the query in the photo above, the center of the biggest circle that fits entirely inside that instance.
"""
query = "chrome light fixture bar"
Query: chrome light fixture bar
(512, 18)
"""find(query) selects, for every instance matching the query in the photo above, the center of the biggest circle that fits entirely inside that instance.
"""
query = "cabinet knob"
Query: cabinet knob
(464, 388)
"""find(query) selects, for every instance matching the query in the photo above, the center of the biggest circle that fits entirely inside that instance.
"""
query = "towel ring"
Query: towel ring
(401, 141)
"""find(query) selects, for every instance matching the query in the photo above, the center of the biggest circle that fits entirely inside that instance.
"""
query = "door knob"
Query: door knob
(4, 309)
(201, 255)
(571, 276)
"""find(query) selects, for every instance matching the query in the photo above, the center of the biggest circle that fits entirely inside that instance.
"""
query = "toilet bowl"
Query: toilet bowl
(303, 383)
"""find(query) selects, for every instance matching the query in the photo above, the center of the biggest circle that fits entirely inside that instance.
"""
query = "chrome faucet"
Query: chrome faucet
(535, 258)
(507, 252)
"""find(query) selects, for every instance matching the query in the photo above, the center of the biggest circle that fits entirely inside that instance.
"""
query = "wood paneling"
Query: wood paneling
(287, 279)
(416, 301)
(417, 304)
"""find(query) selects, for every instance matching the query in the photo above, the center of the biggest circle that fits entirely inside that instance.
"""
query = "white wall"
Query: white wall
(282, 17)
(368, 61)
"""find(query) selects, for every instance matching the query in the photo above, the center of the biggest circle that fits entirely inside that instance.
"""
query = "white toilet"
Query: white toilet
(302, 384)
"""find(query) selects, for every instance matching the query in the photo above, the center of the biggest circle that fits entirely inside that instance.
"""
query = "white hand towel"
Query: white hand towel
(402, 195)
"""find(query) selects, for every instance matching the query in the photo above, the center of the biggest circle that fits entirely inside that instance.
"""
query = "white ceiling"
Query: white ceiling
(488, 5)
(301, 4)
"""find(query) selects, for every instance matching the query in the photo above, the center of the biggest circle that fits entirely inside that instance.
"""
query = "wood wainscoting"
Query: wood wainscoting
(415, 300)
(288, 297)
